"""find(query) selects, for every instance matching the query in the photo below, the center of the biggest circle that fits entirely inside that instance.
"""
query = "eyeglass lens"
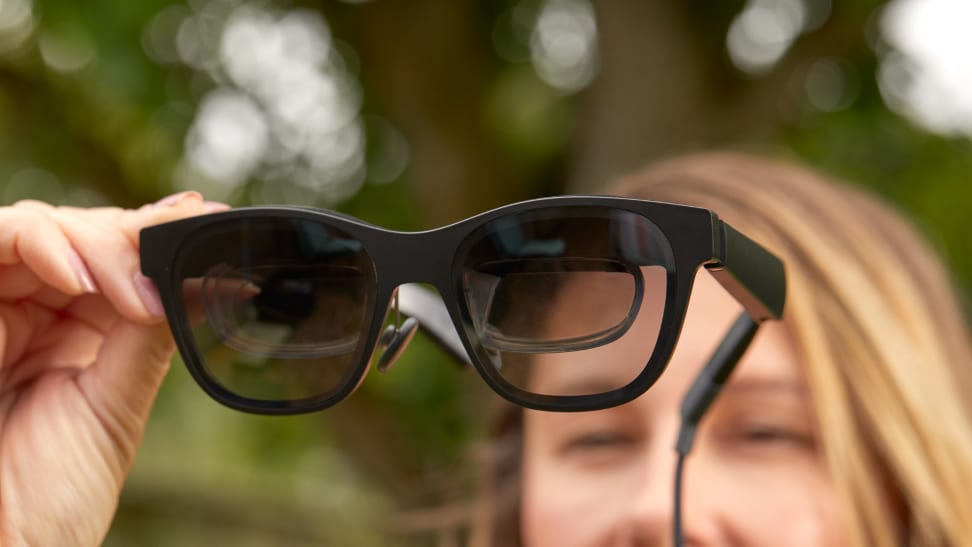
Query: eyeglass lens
(554, 294)
(277, 307)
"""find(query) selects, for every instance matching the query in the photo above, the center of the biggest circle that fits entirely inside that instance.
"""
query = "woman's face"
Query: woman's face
(754, 477)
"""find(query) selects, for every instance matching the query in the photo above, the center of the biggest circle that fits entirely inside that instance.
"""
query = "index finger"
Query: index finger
(31, 238)
(107, 239)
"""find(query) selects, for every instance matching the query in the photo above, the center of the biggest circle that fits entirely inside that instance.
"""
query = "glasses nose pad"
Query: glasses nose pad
(394, 340)
(426, 305)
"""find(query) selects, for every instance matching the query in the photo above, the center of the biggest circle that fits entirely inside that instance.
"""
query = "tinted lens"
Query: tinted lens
(278, 309)
(567, 301)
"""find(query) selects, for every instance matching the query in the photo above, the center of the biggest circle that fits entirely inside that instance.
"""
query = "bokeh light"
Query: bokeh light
(927, 74)
(831, 85)
(67, 47)
(16, 24)
(158, 38)
(763, 32)
(563, 45)
(228, 138)
(285, 109)
(390, 153)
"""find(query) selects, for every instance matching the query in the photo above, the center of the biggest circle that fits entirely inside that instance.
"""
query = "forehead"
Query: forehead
(711, 312)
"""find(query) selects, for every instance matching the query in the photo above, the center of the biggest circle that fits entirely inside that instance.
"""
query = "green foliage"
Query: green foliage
(924, 175)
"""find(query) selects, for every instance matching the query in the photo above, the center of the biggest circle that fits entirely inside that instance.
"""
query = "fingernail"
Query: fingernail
(175, 199)
(81, 272)
(149, 295)
(215, 206)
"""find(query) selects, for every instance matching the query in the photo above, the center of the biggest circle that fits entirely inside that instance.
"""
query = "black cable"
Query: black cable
(699, 397)
(677, 510)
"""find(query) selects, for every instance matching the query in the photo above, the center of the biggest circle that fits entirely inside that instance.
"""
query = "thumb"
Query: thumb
(122, 383)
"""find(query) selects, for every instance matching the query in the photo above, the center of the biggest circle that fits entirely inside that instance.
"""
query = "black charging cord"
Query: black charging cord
(700, 395)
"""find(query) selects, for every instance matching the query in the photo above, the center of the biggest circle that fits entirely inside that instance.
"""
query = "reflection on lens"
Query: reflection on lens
(553, 294)
(278, 307)
(263, 310)
(597, 369)
(509, 298)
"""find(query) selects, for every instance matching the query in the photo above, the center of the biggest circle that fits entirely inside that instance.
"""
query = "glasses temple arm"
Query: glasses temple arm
(700, 395)
(710, 381)
(433, 318)
(751, 274)
(756, 278)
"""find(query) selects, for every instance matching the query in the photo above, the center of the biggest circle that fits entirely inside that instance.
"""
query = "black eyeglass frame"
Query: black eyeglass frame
(697, 237)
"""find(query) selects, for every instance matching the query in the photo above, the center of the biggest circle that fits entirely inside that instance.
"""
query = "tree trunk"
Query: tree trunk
(428, 65)
(666, 86)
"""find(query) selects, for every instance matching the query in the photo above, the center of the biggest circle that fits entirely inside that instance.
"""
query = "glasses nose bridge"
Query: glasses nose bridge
(413, 258)
(416, 257)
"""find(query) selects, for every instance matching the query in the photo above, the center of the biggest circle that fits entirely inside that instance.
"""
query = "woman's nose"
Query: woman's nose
(649, 517)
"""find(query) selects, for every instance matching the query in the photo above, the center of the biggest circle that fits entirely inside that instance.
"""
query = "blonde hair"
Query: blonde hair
(885, 346)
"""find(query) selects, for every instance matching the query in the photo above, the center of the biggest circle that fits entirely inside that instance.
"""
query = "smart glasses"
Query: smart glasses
(563, 304)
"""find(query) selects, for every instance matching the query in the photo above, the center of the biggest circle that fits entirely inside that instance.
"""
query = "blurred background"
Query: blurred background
(414, 114)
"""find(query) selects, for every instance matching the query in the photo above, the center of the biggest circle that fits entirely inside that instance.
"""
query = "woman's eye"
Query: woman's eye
(765, 434)
(599, 440)
(758, 435)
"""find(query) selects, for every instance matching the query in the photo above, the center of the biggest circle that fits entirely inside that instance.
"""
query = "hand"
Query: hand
(83, 349)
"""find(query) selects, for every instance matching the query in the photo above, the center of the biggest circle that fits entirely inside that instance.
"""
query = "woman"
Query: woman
(844, 424)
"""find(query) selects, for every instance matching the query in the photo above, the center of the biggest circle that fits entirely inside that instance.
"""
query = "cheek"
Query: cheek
(783, 503)
(748, 502)
(563, 505)
(545, 518)
(564, 510)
